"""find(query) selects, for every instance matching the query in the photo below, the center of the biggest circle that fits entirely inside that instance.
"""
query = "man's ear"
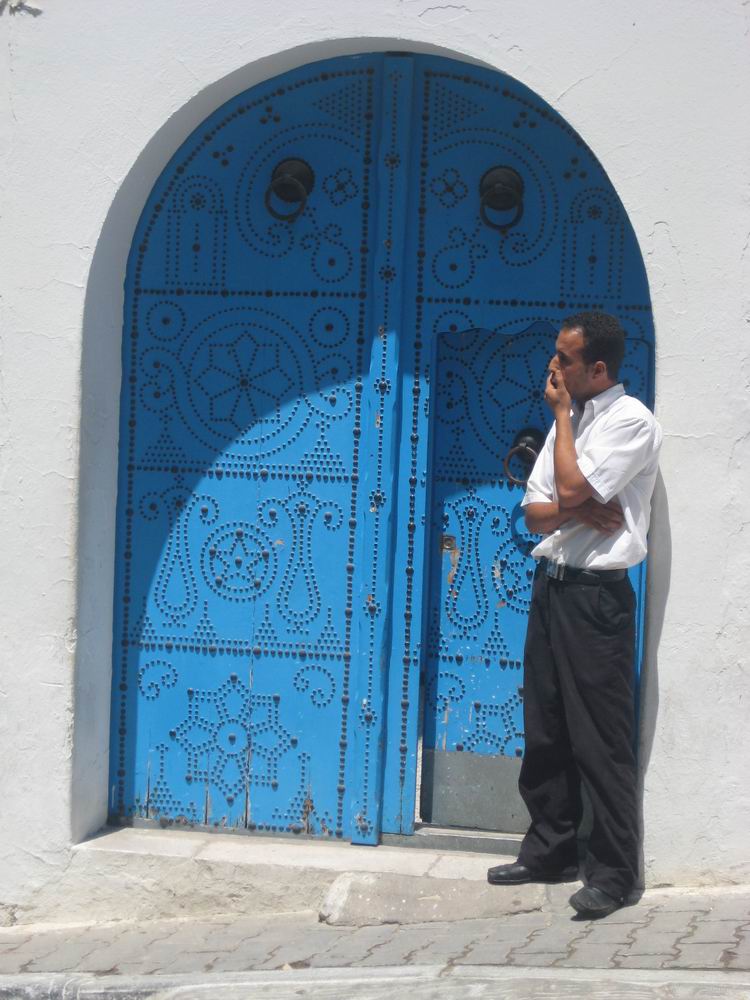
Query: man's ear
(600, 370)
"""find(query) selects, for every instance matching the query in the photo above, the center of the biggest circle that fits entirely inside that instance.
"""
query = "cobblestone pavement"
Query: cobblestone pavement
(668, 930)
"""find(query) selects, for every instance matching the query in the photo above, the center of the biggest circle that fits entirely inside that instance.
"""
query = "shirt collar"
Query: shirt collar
(598, 404)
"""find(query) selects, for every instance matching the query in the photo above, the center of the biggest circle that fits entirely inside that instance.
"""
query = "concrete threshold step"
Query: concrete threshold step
(138, 874)
(444, 838)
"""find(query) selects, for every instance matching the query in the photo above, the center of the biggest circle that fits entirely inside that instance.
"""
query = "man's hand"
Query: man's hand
(572, 487)
(555, 394)
(604, 517)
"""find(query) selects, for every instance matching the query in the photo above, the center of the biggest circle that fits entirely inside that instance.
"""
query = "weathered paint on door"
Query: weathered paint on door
(273, 518)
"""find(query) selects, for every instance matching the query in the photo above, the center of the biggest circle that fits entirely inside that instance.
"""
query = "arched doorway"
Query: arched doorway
(331, 338)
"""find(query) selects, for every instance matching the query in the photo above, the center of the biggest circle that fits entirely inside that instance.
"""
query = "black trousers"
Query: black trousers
(579, 726)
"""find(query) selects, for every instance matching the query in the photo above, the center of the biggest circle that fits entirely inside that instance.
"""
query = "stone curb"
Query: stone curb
(438, 982)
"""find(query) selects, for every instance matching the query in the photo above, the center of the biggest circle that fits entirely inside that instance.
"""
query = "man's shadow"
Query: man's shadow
(659, 575)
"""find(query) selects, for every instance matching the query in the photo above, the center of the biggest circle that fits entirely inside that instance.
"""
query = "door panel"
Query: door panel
(252, 573)
(486, 387)
(571, 249)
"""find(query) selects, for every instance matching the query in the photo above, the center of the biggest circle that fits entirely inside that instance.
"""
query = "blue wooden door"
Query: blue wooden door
(281, 561)
(260, 366)
(487, 291)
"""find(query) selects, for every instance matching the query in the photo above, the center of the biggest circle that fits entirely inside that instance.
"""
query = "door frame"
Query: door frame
(102, 328)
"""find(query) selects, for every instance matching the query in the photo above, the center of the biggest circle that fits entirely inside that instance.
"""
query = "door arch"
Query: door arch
(274, 494)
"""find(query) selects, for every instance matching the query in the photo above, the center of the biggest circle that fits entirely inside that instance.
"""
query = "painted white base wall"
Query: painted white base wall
(96, 98)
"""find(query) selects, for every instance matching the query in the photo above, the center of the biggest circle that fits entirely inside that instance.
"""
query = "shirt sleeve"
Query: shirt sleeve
(616, 454)
(540, 487)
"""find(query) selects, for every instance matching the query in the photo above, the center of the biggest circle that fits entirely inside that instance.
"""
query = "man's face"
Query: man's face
(583, 381)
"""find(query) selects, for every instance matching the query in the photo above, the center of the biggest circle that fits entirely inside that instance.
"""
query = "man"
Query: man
(589, 494)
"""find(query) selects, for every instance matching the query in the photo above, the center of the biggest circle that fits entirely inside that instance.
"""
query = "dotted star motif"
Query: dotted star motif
(519, 392)
(232, 738)
(234, 560)
(245, 382)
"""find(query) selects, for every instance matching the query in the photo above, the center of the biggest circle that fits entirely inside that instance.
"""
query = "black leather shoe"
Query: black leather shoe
(518, 874)
(593, 903)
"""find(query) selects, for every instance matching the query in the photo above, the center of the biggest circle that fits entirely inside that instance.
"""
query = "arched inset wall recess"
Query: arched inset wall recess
(391, 140)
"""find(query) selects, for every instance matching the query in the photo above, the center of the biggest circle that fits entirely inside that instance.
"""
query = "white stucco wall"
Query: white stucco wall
(97, 96)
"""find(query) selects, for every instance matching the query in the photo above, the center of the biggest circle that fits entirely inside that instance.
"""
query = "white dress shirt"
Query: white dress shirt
(617, 440)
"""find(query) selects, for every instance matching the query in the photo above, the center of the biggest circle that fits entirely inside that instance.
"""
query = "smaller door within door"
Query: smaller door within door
(488, 387)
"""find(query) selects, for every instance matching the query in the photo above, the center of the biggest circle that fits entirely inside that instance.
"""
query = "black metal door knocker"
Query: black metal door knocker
(526, 447)
(292, 181)
(501, 190)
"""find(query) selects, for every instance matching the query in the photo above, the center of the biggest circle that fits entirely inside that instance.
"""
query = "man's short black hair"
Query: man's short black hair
(603, 339)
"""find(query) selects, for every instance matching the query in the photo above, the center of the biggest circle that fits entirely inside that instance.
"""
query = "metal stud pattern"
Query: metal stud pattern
(282, 379)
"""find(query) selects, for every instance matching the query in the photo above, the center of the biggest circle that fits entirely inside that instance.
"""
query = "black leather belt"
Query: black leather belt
(559, 571)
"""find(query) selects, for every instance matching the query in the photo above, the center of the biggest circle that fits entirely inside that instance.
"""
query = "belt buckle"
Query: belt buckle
(555, 570)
